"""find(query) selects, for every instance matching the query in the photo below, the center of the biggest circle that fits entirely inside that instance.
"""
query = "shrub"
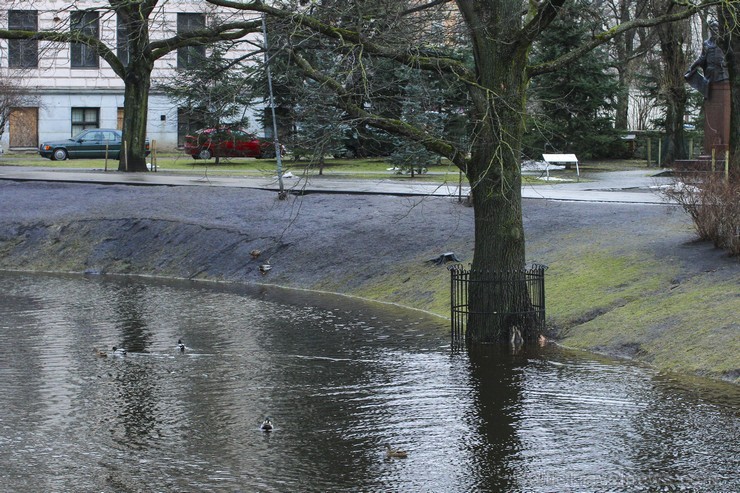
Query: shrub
(713, 202)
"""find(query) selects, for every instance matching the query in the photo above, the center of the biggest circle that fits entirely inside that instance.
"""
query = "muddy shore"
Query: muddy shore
(627, 280)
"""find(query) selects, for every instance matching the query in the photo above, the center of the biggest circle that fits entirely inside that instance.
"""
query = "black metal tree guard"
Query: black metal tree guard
(531, 310)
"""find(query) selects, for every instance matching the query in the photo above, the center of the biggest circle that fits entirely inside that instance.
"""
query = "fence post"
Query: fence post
(727, 165)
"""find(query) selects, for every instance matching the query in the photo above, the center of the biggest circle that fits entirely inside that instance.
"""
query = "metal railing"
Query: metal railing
(523, 291)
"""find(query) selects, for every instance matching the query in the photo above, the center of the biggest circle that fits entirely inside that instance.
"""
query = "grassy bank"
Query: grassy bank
(371, 168)
(623, 280)
(627, 307)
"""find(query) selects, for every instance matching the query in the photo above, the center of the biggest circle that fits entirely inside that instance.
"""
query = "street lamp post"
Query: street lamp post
(278, 154)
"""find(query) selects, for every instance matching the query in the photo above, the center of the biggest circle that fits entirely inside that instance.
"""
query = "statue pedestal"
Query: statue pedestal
(717, 119)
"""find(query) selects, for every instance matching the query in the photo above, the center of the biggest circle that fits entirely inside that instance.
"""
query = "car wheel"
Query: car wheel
(205, 154)
(59, 154)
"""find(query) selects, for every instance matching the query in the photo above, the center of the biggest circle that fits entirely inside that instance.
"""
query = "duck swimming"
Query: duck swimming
(266, 425)
(180, 345)
(99, 353)
(118, 351)
(397, 453)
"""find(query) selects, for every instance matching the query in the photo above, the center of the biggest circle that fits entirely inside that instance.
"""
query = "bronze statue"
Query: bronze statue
(711, 62)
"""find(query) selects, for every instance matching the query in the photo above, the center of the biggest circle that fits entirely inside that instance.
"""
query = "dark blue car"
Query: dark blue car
(91, 143)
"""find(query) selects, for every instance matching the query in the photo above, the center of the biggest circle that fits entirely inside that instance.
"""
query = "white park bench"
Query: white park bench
(560, 159)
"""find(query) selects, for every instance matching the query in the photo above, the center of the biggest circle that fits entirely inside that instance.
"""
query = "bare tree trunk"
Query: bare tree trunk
(675, 94)
(493, 172)
(136, 107)
(624, 47)
(621, 119)
(731, 46)
(137, 76)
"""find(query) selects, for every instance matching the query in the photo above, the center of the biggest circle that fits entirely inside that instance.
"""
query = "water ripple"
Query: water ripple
(339, 384)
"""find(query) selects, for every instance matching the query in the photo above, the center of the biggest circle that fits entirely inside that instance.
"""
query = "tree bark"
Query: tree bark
(493, 169)
(731, 24)
(673, 88)
(136, 105)
(624, 46)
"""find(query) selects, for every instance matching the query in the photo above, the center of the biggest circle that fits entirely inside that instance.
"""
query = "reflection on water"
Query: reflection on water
(340, 380)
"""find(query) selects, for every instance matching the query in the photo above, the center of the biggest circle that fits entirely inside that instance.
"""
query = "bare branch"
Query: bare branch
(399, 127)
(223, 32)
(426, 6)
(554, 65)
(410, 57)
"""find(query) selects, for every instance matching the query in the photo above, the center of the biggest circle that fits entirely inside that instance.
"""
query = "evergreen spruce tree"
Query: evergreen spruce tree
(214, 93)
(572, 110)
(320, 126)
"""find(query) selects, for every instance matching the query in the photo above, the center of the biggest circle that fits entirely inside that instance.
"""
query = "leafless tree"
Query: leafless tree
(729, 14)
(499, 35)
(13, 95)
(132, 52)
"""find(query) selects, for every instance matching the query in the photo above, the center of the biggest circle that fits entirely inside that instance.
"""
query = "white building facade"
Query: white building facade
(72, 89)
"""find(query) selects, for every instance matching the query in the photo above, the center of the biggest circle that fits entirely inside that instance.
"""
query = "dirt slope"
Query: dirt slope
(626, 280)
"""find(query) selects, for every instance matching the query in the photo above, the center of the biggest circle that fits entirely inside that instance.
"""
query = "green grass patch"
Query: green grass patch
(632, 305)
(672, 329)
(356, 169)
(419, 284)
(582, 284)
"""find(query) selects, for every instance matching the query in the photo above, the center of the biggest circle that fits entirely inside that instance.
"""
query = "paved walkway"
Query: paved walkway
(618, 186)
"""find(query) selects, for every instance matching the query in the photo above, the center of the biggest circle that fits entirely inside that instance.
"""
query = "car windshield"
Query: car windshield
(242, 135)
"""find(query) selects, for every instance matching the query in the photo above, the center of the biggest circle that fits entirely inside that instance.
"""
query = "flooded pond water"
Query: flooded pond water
(340, 380)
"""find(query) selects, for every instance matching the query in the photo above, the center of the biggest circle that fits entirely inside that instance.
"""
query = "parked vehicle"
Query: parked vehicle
(227, 142)
(90, 143)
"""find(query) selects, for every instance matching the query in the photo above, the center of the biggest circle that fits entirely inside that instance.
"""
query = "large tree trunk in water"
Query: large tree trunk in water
(494, 170)
(136, 106)
(495, 294)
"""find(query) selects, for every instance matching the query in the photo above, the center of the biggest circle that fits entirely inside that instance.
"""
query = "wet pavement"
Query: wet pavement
(634, 186)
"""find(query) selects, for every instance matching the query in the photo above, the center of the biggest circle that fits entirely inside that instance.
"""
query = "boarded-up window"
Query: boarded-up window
(24, 127)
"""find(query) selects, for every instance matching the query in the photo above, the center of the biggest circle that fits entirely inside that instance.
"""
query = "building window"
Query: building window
(85, 23)
(190, 56)
(122, 40)
(23, 53)
(84, 118)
